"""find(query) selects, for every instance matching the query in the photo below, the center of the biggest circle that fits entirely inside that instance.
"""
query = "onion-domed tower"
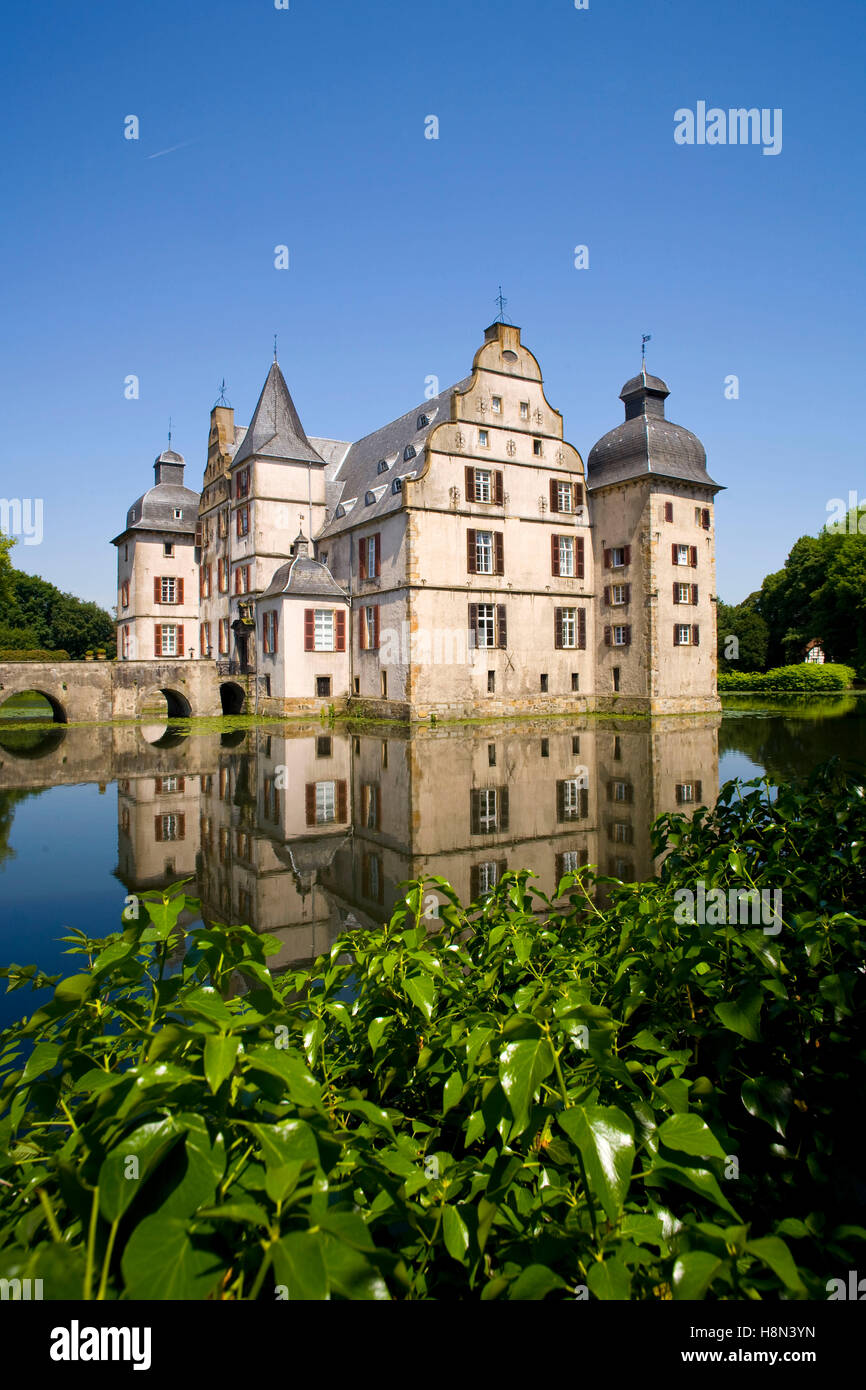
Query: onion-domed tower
(651, 501)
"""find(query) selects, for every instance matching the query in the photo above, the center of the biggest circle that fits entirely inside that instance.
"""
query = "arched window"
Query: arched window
(423, 422)
(382, 466)
(408, 452)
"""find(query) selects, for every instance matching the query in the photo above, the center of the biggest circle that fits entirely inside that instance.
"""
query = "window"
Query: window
(270, 629)
(496, 405)
(537, 448)
(575, 745)
(488, 810)
(326, 802)
(684, 555)
(372, 878)
(170, 827)
(168, 549)
(408, 453)
(204, 639)
(243, 521)
(619, 594)
(242, 483)
(168, 639)
(669, 511)
(686, 635)
(564, 497)
(422, 422)
(357, 684)
(369, 498)
(324, 746)
(384, 684)
(566, 627)
(206, 576)
(323, 687)
(544, 680)
(569, 862)
(124, 594)
(382, 466)
(397, 485)
(223, 523)
(575, 681)
(178, 513)
(618, 636)
(685, 593)
(487, 625)
(615, 674)
(168, 591)
(369, 557)
(620, 832)
(491, 755)
(617, 557)
(491, 682)
(617, 748)
(705, 518)
(688, 792)
(223, 576)
(242, 579)
(524, 410)
(483, 878)
(572, 799)
(323, 630)
(545, 748)
(483, 492)
(485, 552)
(566, 556)
(483, 438)
(620, 791)
(369, 628)
(370, 806)
(484, 485)
(384, 752)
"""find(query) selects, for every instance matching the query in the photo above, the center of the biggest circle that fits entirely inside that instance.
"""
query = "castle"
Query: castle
(458, 562)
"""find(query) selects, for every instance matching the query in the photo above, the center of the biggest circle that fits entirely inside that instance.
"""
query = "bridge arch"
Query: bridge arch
(232, 697)
(56, 712)
(176, 704)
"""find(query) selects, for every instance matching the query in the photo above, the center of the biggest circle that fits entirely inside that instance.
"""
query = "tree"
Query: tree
(57, 621)
(743, 622)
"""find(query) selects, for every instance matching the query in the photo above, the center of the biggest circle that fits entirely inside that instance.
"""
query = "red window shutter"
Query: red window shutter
(705, 518)
(554, 555)
(696, 636)
(673, 552)
(309, 629)
(157, 639)
(554, 496)
(341, 630)
(157, 590)
(181, 826)
(362, 557)
(607, 636)
(607, 559)
(310, 803)
(470, 552)
(626, 555)
(180, 640)
(376, 627)
(275, 631)
(694, 593)
(498, 489)
(378, 539)
(693, 556)
(201, 582)
(202, 645)
(578, 566)
(557, 628)
(470, 484)
(501, 626)
(498, 553)
(607, 595)
(676, 592)
(342, 802)
(669, 511)
(238, 521)
(628, 635)
(180, 591)
(157, 829)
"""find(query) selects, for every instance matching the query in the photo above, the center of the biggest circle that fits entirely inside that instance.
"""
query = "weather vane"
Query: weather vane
(221, 399)
(501, 301)
(275, 347)
(169, 431)
(645, 338)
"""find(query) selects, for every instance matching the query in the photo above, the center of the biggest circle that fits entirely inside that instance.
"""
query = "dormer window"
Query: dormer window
(423, 422)
(397, 485)
(382, 466)
(340, 511)
(408, 453)
(369, 498)
(178, 513)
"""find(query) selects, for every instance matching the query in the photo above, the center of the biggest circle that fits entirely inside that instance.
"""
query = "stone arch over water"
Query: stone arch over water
(232, 697)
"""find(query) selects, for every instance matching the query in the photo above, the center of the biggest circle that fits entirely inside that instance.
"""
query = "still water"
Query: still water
(300, 830)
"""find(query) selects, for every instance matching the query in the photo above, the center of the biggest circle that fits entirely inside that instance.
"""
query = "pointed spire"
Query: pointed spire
(275, 429)
(301, 545)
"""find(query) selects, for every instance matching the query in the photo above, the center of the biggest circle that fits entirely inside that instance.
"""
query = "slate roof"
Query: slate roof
(647, 443)
(358, 472)
(155, 509)
(305, 577)
(275, 430)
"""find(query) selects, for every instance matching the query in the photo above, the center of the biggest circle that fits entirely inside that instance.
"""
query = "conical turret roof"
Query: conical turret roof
(275, 429)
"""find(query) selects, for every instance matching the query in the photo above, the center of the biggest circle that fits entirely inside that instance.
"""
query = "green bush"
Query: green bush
(520, 1100)
(33, 654)
(806, 676)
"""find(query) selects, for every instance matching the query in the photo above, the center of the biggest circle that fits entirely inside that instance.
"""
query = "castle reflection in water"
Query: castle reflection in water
(302, 832)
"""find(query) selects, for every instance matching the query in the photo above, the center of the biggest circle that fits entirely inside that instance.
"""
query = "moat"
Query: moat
(301, 829)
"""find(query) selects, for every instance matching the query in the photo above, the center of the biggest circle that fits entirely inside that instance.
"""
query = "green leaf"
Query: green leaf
(694, 1272)
(452, 1091)
(522, 1068)
(456, 1234)
(163, 1261)
(610, 1281)
(299, 1264)
(219, 1060)
(767, 1100)
(43, 1058)
(690, 1135)
(130, 1162)
(774, 1252)
(534, 1284)
(699, 1180)
(422, 992)
(205, 1003)
(605, 1137)
(291, 1141)
(303, 1088)
(743, 1016)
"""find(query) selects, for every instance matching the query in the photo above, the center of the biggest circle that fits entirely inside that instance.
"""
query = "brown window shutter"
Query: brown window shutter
(157, 829)
(676, 592)
(181, 826)
(157, 639)
(474, 882)
(554, 555)
(501, 626)
(560, 801)
(378, 540)
(475, 812)
(276, 631)
(473, 624)
(696, 636)
(180, 640)
(693, 556)
(669, 511)
(676, 634)
(309, 629)
(180, 591)
(498, 489)
(581, 628)
(705, 518)
(342, 801)
(610, 830)
(578, 566)
(607, 595)
(698, 792)
(310, 802)
(503, 809)
(554, 496)
(628, 635)
(501, 868)
(559, 870)
(584, 805)
(470, 484)
(341, 630)
(627, 554)
(694, 593)
(470, 552)
(627, 588)
(607, 559)
(498, 553)
(557, 628)
(607, 636)
(157, 590)
(201, 582)
(673, 552)
(578, 494)
(362, 557)
(376, 627)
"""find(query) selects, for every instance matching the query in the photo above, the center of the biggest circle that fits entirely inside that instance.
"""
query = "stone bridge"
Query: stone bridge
(86, 692)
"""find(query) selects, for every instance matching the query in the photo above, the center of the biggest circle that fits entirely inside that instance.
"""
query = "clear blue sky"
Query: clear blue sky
(305, 127)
